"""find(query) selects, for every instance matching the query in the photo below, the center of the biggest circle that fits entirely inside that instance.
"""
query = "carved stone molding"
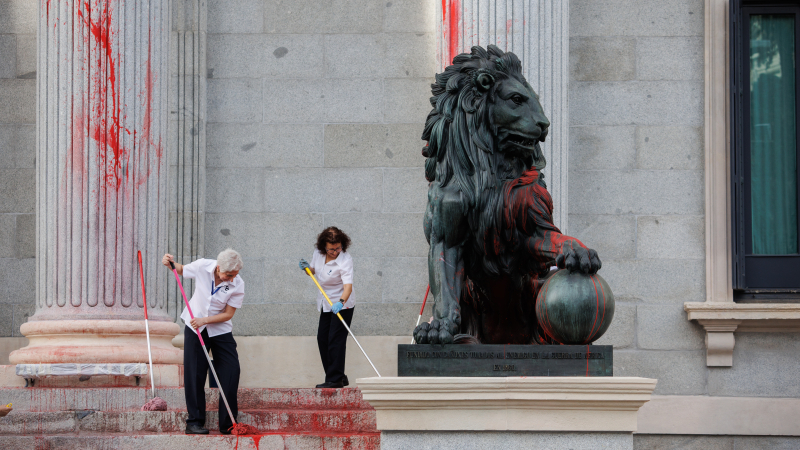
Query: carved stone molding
(722, 319)
(579, 404)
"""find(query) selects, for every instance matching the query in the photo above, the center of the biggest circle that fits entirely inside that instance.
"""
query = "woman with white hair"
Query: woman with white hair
(218, 293)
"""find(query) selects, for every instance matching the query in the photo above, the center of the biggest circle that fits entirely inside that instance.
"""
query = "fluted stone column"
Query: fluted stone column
(537, 31)
(101, 183)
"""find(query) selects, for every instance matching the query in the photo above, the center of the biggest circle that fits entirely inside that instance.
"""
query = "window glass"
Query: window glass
(773, 135)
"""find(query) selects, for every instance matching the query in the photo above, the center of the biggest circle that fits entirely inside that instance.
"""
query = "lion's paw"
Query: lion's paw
(579, 259)
(438, 331)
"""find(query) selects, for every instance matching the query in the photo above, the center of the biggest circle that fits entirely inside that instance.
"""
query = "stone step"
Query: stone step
(137, 422)
(330, 441)
(132, 398)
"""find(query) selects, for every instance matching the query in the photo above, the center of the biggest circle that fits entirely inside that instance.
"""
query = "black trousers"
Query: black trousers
(195, 370)
(332, 343)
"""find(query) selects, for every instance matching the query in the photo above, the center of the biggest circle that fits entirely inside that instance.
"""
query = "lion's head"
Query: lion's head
(485, 115)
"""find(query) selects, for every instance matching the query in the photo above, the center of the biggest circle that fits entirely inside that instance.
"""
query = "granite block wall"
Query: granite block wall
(17, 159)
(315, 111)
(636, 177)
(636, 195)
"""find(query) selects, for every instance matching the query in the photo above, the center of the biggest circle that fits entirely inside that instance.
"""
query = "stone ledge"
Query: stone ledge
(722, 319)
(754, 317)
(577, 404)
(702, 415)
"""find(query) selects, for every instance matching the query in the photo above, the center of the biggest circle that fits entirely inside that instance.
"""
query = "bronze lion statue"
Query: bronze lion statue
(489, 217)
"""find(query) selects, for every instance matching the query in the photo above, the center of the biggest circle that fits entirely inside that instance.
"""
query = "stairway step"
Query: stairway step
(361, 441)
(281, 421)
(130, 398)
(331, 421)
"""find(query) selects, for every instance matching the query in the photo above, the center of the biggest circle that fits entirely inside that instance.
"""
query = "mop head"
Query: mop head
(156, 404)
(241, 429)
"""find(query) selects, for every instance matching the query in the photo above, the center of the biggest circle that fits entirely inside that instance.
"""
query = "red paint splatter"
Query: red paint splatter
(105, 126)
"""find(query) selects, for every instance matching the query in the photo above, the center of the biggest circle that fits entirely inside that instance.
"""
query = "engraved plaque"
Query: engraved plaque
(454, 360)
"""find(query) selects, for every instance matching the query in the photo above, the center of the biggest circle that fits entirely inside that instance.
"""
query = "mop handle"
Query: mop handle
(146, 326)
(421, 310)
(202, 344)
(424, 301)
(308, 271)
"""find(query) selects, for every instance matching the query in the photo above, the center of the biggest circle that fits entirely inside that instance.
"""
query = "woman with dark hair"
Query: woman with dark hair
(333, 268)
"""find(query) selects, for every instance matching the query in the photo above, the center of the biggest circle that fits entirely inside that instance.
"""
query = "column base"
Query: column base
(97, 342)
(164, 375)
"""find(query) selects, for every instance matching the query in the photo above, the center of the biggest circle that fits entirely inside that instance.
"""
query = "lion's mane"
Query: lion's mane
(462, 141)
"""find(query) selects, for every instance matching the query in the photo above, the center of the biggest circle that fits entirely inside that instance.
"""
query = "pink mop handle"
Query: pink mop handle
(425, 300)
(186, 301)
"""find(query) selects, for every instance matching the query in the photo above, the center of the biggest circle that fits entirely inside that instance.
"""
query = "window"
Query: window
(764, 149)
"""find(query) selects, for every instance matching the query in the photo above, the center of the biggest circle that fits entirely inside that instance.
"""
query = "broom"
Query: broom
(238, 428)
(422, 309)
(308, 271)
(157, 403)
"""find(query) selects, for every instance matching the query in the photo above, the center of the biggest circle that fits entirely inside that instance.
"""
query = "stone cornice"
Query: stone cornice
(750, 317)
(512, 403)
(722, 319)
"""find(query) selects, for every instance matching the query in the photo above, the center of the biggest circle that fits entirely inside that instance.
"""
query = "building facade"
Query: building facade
(289, 116)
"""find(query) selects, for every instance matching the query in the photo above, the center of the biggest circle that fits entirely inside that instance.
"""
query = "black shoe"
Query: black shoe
(225, 431)
(193, 428)
(345, 381)
(330, 384)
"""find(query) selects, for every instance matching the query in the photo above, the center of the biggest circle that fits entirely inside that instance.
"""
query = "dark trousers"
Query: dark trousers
(195, 370)
(332, 343)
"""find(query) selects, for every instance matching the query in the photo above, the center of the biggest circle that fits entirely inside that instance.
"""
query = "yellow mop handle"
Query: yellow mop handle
(308, 271)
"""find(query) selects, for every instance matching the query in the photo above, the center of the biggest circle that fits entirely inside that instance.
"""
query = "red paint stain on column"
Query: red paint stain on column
(104, 121)
(451, 12)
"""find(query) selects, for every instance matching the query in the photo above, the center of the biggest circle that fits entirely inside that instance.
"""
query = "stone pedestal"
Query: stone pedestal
(513, 412)
(101, 183)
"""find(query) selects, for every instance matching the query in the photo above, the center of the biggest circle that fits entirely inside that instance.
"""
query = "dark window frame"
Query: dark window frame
(778, 276)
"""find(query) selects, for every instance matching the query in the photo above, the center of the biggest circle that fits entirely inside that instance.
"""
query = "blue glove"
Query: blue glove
(337, 307)
(304, 265)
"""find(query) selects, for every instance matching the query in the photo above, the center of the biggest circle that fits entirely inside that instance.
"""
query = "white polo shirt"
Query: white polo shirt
(203, 303)
(332, 277)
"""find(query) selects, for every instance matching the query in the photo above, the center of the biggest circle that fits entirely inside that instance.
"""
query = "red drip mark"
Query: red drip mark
(48, 8)
(450, 30)
(587, 360)
(596, 308)
(603, 317)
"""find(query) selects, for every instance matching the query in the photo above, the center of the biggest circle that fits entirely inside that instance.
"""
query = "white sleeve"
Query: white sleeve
(191, 270)
(237, 298)
(314, 259)
(347, 270)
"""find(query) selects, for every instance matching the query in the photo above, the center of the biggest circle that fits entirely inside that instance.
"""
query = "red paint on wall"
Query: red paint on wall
(451, 11)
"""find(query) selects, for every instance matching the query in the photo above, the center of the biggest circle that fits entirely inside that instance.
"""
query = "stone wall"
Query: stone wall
(656, 442)
(17, 154)
(315, 111)
(636, 177)
(636, 195)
